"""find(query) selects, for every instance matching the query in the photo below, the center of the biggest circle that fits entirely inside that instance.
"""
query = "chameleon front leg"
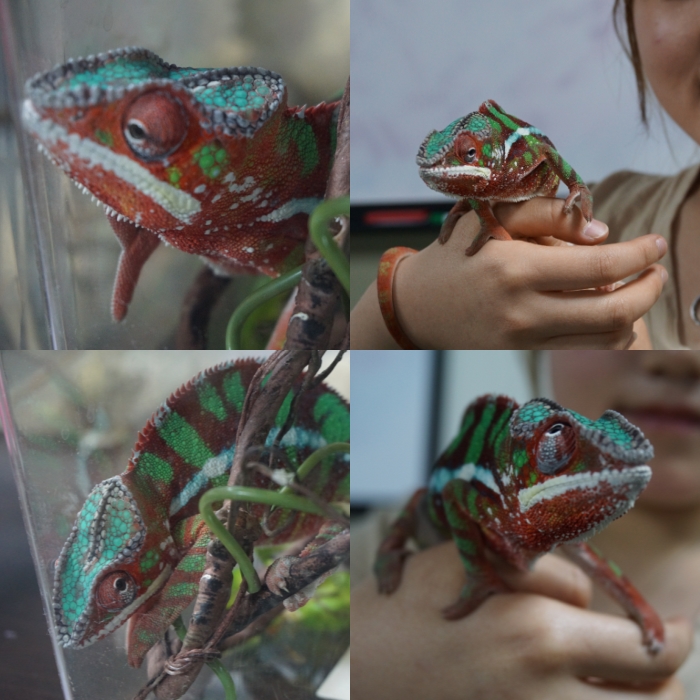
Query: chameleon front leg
(577, 187)
(392, 552)
(137, 245)
(482, 578)
(490, 226)
(617, 585)
(145, 629)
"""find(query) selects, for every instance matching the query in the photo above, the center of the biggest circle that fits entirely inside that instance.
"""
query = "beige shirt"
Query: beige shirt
(634, 204)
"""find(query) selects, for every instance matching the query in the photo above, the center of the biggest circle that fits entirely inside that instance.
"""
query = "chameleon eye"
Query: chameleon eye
(470, 155)
(155, 124)
(556, 447)
(115, 591)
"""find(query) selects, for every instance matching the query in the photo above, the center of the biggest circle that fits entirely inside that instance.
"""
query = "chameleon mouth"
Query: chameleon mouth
(628, 483)
(455, 171)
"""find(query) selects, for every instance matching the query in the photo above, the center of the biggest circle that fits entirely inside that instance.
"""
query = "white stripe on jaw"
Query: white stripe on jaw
(520, 131)
(467, 472)
(633, 479)
(178, 203)
(457, 171)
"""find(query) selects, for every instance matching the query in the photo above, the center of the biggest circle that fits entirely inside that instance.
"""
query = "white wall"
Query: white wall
(391, 404)
(416, 66)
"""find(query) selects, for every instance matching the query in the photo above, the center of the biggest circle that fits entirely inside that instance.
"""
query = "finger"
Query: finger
(670, 690)
(611, 648)
(553, 577)
(614, 340)
(591, 311)
(545, 216)
(554, 268)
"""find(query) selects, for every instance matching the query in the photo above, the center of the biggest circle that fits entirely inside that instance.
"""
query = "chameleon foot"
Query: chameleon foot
(499, 233)
(388, 569)
(585, 202)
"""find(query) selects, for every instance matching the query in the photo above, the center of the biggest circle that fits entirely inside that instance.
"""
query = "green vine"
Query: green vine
(321, 216)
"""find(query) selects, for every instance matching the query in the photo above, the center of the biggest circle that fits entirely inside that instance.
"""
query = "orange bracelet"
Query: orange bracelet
(385, 290)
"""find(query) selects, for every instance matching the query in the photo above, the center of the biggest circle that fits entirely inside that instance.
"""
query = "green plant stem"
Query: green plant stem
(215, 664)
(320, 217)
(281, 284)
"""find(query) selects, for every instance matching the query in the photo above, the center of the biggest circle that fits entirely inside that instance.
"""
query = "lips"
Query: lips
(661, 418)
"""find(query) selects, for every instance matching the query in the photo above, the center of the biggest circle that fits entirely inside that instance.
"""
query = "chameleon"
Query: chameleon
(137, 549)
(211, 161)
(490, 156)
(519, 481)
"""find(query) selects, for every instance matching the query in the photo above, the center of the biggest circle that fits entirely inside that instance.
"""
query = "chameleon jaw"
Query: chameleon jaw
(454, 171)
(631, 480)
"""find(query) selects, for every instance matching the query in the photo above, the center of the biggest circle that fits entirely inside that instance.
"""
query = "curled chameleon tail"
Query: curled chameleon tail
(138, 546)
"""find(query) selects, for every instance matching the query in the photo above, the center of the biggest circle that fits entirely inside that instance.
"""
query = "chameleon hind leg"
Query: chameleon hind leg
(482, 579)
(388, 565)
(577, 187)
(609, 577)
(147, 628)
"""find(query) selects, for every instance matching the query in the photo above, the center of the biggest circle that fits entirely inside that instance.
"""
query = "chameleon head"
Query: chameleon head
(575, 475)
(459, 159)
(102, 575)
(142, 135)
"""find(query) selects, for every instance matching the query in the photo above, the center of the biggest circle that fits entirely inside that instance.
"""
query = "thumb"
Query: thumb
(545, 216)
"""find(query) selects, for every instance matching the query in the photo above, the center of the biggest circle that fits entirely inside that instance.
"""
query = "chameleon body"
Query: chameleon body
(137, 549)
(211, 161)
(490, 156)
(520, 481)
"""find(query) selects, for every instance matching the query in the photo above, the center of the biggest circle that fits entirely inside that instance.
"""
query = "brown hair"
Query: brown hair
(631, 49)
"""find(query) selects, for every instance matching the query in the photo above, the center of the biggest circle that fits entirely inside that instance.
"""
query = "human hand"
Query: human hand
(538, 642)
(513, 294)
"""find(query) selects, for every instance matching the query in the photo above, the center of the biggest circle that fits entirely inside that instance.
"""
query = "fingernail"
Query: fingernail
(664, 275)
(595, 230)
(662, 245)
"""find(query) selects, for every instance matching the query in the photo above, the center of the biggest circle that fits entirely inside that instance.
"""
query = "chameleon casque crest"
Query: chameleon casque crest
(210, 161)
(138, 546)
(520, 481)
(490, 156)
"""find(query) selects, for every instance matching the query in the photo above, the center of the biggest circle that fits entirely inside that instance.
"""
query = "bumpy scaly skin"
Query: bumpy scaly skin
(520, 481)
(490, 156)
(138, 546)
(209, 161)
